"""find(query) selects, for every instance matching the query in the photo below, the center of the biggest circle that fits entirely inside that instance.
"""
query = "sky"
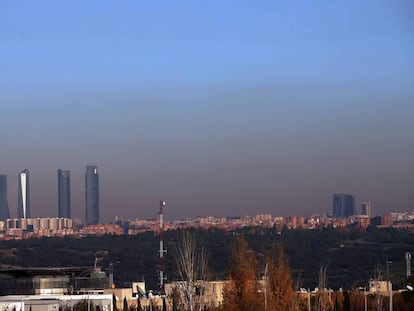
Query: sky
(226, 108)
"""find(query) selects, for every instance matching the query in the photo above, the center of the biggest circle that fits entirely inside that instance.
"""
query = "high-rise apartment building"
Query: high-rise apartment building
(64, 210)
(92, 195)
(23, 200)
(4, 205)
(366, 208)
(343, 205)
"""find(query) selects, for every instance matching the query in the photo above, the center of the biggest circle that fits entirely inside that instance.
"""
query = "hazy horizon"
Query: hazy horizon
(231, 108)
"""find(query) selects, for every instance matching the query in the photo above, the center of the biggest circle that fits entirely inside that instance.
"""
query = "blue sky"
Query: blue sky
(219, 107)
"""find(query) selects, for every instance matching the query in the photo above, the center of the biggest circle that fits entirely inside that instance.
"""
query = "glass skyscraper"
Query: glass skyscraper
(92, 195)
(64, 210)
(343, 205)
(4, 205)
(23, 200)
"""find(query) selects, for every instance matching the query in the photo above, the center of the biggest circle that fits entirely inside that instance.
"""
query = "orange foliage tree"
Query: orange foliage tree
(242, 291)
(279, 285)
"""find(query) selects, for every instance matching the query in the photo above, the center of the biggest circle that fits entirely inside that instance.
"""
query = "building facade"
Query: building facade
(64, 209)
(23, 200)
(4, 205)
(92, 195)
(343, 205)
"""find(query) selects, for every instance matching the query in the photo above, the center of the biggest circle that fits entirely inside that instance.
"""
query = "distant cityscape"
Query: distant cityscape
(21, 228)
(344, 214)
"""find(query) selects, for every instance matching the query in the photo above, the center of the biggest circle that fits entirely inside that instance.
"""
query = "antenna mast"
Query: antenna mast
(162, 250)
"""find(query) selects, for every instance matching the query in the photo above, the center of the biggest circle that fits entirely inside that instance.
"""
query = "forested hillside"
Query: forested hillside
(351, 258)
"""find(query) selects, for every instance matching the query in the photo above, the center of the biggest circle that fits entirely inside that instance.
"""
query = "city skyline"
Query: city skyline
(224, 108)
(344, 205)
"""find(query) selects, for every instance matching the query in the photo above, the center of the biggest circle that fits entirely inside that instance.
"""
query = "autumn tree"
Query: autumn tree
(191, 269)
(322, 301)
(278, 282)
(241, 292)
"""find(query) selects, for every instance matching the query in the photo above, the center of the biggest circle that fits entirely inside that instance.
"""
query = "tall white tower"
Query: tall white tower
(23, 200)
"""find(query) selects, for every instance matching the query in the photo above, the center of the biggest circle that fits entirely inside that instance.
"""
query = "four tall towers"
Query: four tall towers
(64, 195)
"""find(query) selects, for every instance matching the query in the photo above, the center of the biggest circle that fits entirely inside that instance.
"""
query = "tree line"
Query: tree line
(351, 258)
(262, 283)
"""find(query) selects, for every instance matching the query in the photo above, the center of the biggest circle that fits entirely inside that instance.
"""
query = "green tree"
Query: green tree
(114, 302)
(83, 306)
(139, 307)
(125, 304)
(347, 301)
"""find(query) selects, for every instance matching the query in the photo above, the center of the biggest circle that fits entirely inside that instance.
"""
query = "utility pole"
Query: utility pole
(365, 298)
(389, 284)
(162, 250)
(265, 286)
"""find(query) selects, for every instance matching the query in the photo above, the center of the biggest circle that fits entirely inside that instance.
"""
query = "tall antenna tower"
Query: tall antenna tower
(162, 250)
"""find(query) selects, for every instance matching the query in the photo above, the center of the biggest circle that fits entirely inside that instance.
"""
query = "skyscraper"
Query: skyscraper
(23, 200)
(4, 205)
(92, 195)
(64, 210)
(343, 205)
(366, 208)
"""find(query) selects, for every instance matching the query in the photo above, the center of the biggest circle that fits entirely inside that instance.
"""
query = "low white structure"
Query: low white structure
(54, 302)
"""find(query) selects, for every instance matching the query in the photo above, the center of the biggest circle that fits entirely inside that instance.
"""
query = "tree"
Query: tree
(139, 307)
(83, 305)
(175, 298)
(336, 305)
(279, 284)
(125, 304)
(322, 302)
(347, 301)
(115, 308)
(191, 269)
(241, 293)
